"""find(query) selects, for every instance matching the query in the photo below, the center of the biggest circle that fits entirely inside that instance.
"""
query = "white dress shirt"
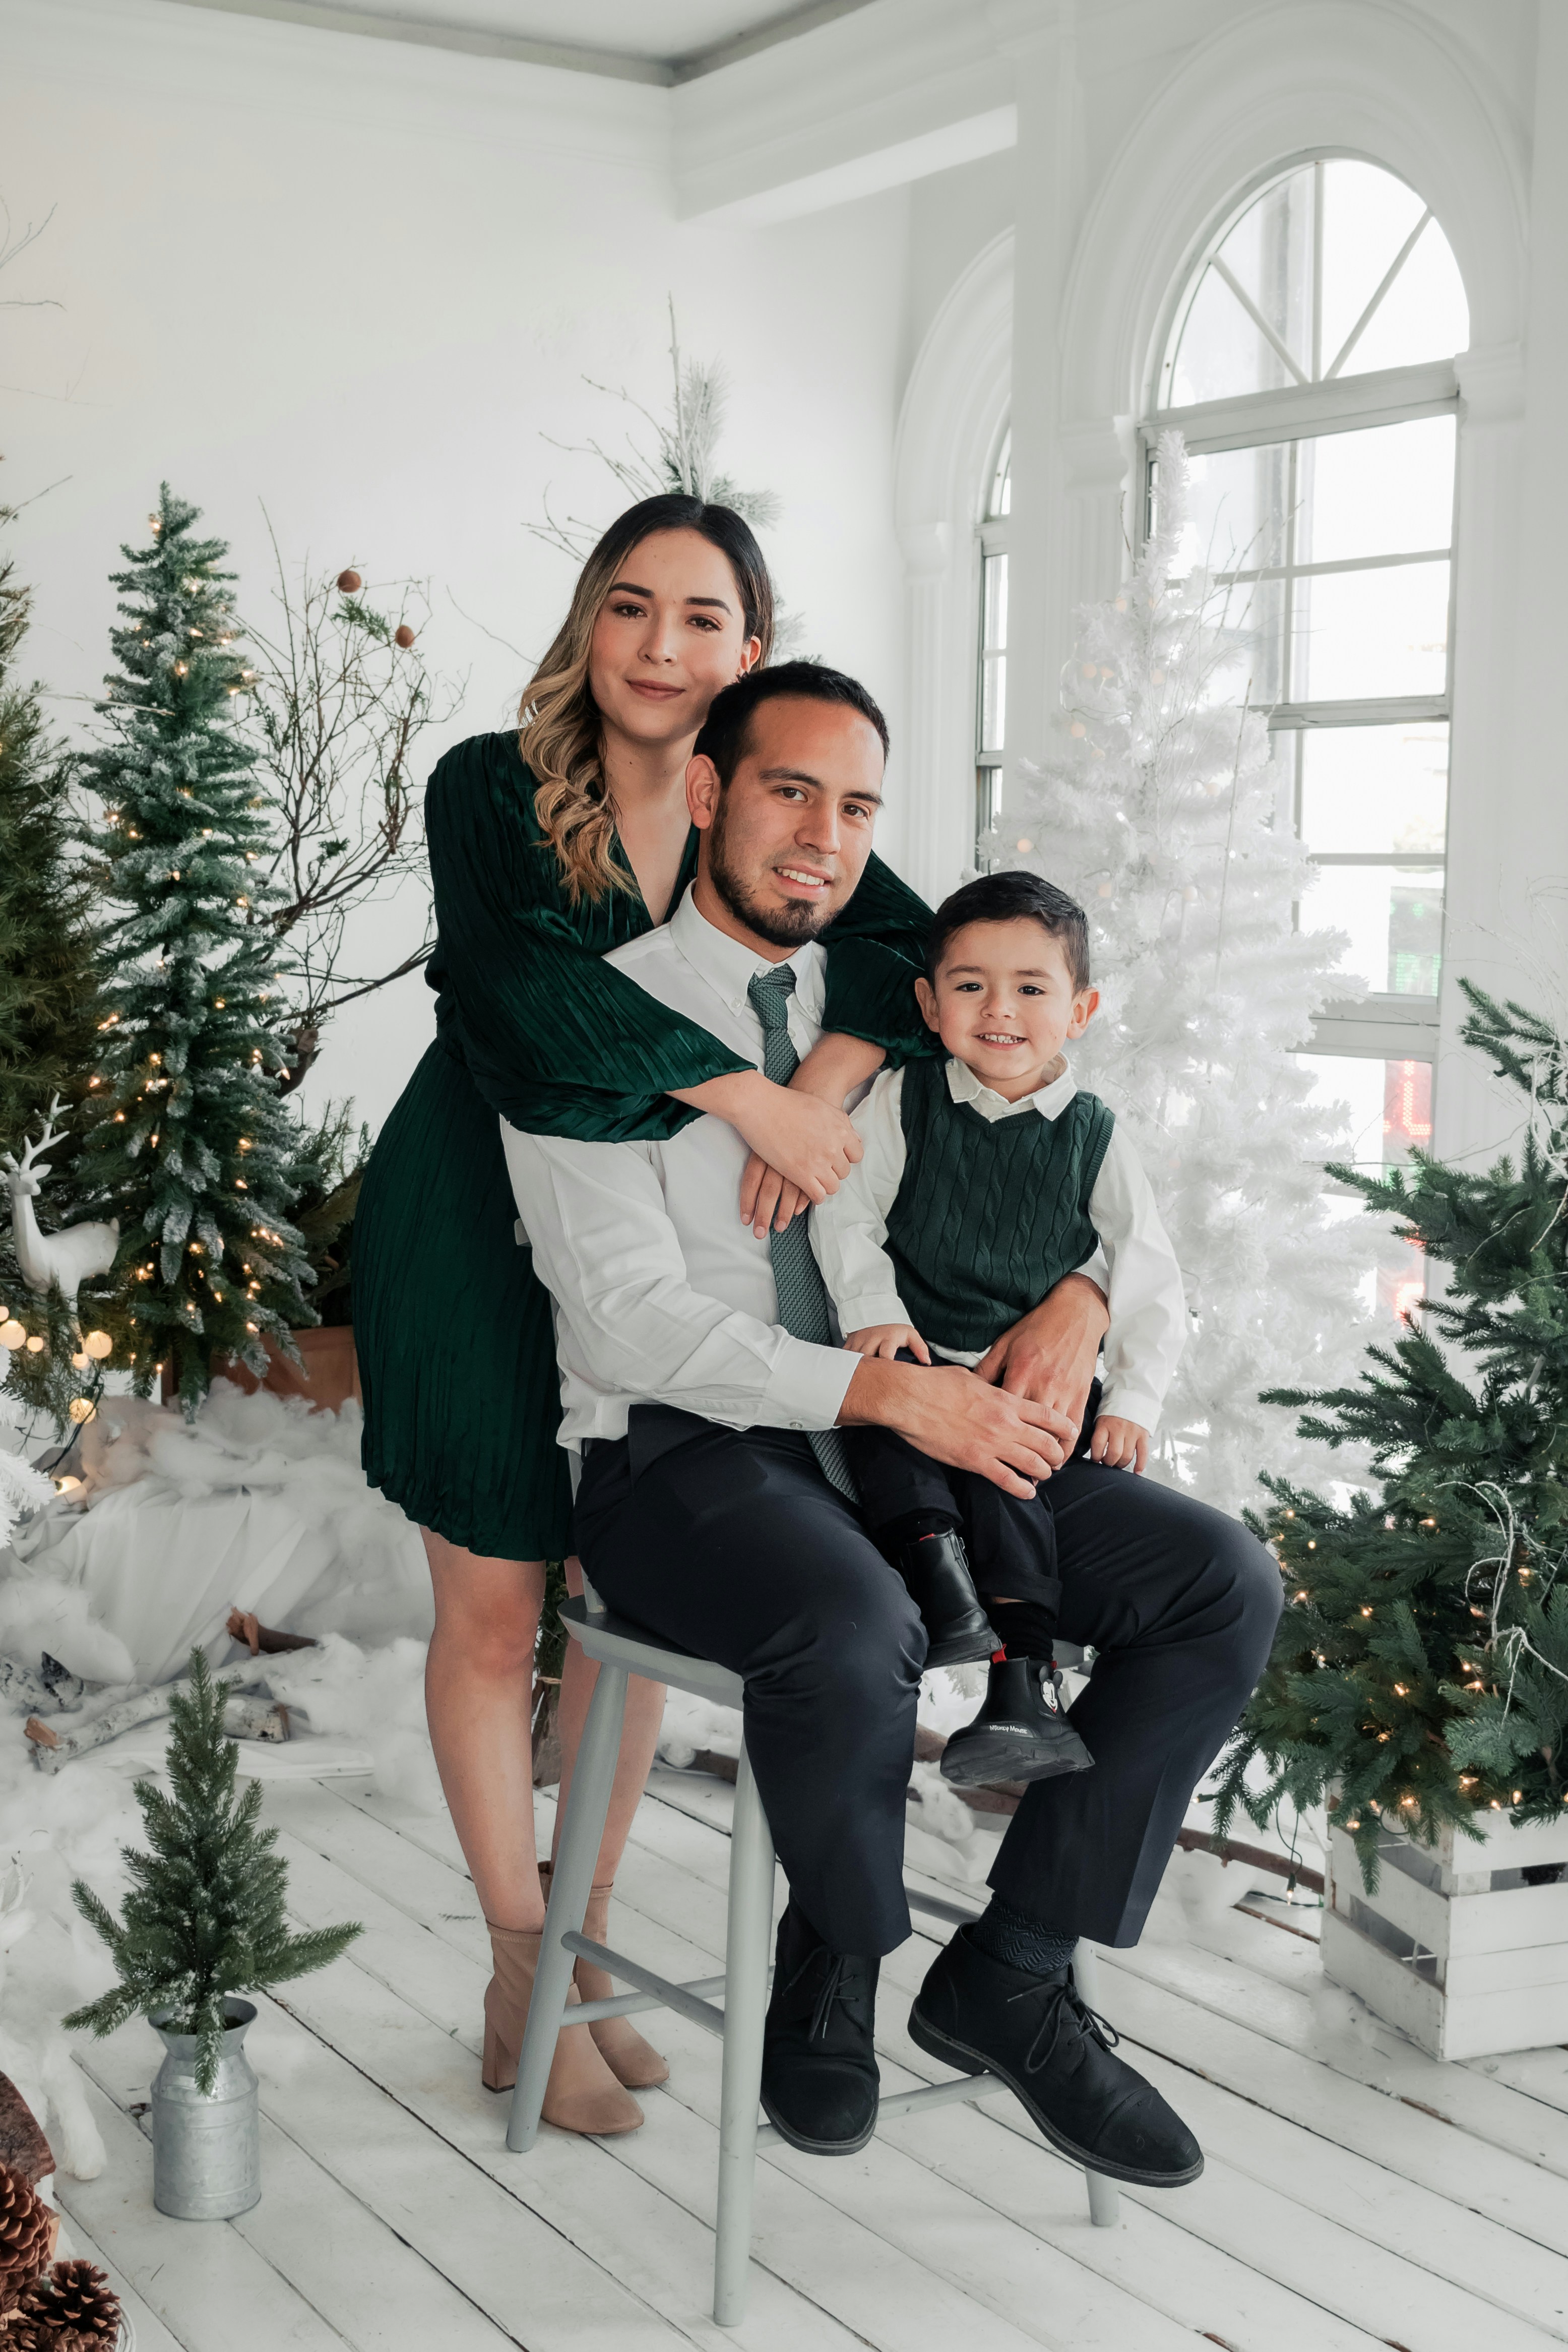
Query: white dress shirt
(1148, 1310)
(662, 1293)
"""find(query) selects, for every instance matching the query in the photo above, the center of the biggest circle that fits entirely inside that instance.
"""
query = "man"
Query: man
(703, 1389)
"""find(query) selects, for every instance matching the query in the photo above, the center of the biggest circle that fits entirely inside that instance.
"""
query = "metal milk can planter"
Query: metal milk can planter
(207, 2146)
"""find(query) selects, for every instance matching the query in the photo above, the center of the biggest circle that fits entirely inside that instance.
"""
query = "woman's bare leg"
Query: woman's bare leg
(644, 1713)
(478, 1690)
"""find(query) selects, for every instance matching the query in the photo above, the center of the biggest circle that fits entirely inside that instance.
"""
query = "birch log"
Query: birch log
(244, 1718)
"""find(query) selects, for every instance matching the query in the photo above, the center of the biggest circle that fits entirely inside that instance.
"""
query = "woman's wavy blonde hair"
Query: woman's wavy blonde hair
(561, 733)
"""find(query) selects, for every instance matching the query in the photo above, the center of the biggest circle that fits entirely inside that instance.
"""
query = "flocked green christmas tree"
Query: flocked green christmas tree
(1420, 1674)
(204, 1919)
(193, 1150)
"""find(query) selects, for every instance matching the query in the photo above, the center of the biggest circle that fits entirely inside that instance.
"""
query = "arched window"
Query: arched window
(991, 673)
(1310, 367)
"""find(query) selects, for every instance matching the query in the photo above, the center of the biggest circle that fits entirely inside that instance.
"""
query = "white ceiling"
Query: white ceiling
(666, 40)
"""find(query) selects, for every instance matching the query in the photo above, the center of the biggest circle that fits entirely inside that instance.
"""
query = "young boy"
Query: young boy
(986, 1178)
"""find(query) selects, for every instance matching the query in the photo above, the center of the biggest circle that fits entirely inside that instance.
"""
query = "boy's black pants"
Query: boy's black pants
(1011, 1543)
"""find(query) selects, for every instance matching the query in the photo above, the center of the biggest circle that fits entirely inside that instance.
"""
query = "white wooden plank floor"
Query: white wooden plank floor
(1358, 2193)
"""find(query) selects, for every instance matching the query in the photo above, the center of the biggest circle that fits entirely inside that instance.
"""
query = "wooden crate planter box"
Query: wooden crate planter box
(1456, 1947)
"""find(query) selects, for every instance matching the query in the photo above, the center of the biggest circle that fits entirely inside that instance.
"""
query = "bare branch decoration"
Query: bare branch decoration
(340, 698)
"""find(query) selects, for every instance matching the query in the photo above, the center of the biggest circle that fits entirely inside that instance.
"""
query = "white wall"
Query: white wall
(359, 282)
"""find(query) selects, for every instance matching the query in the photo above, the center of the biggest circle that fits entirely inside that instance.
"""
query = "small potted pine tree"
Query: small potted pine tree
(1419, 1678)
(205, 1922)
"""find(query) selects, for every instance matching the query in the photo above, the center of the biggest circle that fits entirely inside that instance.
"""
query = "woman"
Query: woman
(547, 848)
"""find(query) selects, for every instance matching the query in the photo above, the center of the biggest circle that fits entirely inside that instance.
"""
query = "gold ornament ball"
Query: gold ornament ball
(349, 583)
(81, 1409)
(35, 1346)
(99, 1345)
(12, 1333)
(402, 635)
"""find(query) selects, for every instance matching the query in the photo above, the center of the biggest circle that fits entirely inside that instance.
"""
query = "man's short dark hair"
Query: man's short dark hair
(1007, 899)
(723, 738)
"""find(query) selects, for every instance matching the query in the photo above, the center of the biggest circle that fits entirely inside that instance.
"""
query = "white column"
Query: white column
(933, 830)
(1507, 924)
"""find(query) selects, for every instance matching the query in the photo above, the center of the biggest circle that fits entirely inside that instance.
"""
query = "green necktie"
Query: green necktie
(802, 1298)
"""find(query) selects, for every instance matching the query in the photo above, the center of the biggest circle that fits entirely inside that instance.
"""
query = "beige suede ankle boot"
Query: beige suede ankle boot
(633, 2061)
(582, 2094)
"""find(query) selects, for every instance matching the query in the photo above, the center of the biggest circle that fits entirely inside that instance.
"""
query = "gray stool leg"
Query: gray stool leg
(571, 1882)
(1104, 2203)
(745, 2012)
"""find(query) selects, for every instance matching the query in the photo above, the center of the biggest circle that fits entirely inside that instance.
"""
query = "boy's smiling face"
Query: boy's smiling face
(1005, 1002)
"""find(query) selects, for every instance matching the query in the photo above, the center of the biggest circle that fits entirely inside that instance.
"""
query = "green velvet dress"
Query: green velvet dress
(453, 1329)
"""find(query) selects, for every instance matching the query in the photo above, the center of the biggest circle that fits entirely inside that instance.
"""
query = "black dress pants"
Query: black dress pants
(734, 1546)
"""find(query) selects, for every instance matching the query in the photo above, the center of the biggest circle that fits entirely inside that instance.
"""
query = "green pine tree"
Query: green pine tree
(48, 990)
(1420, 1674)
(193, 1150)
(204, 1919)
(48, 1004)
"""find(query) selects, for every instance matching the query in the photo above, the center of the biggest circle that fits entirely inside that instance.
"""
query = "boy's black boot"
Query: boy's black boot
(935, 1566)
(978, 2014)
(1019, 1734)
(819, 2079)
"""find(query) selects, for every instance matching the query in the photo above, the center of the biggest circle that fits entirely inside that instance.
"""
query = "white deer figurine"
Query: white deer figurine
(64, 1259)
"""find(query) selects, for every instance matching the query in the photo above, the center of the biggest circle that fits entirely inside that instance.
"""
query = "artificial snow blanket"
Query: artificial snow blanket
(259, 1503)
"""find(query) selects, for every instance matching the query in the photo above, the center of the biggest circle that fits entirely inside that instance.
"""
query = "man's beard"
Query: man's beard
(791, 925)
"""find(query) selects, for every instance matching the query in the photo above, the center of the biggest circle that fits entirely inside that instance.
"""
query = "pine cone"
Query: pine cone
(75, 2309)
(27, 2232)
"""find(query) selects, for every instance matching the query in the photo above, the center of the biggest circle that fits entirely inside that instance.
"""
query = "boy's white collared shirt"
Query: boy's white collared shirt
(1139, 1273)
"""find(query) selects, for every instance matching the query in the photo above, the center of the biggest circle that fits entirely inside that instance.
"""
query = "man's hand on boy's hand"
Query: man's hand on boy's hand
(957, 1419)
(1119, 1444)
(886, 1339)
(1050, 1354)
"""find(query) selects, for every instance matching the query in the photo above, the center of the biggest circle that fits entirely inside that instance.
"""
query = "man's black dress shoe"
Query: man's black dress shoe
(819, 2082)
(1019, 1734)
(978, 2014)
(934, 1567)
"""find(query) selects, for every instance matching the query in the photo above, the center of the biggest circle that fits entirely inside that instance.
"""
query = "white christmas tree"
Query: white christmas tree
(1158, 812)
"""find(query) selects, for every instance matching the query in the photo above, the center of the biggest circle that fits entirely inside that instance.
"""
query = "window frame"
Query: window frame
(1381, 1025)
(992, 537)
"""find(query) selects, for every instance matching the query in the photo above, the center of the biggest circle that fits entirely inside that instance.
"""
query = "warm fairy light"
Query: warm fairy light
(1302, 1596)
(1312, 1543)
(99, 1346)
(245, 1143)
(240, 1184)
(1400, 1691)
(35, 1346)
(12, 1333)
(81, 1409)
(1290, 1514)
(1366, 1612)
(253, 1326)
(1407, 1800)
(1518, 1796)
(1467, 1779)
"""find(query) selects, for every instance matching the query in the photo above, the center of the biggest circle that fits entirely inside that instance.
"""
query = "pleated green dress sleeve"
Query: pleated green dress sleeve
(876, 949)
(555, 1040)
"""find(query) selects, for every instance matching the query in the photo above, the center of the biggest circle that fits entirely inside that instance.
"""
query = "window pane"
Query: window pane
(1392, 915)
(1001, 499)
(1389, 491)
(1367, 216)
(1367, 789)
(1371, 633)
(994, 601)
(993, 702)
(1239, 504)
(1423, 316)
(1388, 1106)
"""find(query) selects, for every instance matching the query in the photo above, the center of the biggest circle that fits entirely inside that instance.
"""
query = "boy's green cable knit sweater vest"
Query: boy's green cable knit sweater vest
(990, 1213)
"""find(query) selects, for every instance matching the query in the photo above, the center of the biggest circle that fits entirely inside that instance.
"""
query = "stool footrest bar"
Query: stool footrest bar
(963, 2087)
(958, 1914)
(667, 1995)
(631, 2004)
